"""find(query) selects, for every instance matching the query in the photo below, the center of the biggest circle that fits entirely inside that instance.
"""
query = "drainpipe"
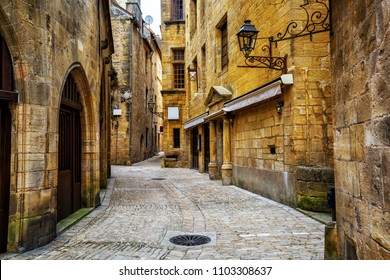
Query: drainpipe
(131, 91)
(152, 89)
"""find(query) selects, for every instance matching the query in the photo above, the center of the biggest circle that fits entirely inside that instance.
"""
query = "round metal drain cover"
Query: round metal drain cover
(190, 240)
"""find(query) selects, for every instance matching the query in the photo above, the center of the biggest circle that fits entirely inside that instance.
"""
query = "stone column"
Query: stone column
(201, 151)
(213, 153)
(227, 164)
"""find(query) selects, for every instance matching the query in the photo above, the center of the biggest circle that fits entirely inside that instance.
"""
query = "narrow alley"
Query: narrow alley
(145, 205)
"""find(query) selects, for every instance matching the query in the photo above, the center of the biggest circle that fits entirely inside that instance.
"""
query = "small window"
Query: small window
(178, 55)
(224, 46)
(176, 137)
(177, 9)
(178, 69)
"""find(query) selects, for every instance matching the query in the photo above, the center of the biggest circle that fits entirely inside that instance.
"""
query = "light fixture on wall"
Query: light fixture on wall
(151, 107)
(279, 107)
(192, 73)
(317, 20)
(247, 37)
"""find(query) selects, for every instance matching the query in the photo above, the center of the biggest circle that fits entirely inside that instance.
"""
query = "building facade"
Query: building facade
(136, 91)
(360, 68)
(246, 125)
(174, 83)
(55, 122)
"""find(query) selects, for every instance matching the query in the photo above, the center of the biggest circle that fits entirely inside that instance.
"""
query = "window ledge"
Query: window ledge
(171, 22)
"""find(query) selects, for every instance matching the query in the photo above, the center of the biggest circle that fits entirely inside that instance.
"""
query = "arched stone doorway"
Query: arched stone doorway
(7, 95)
(69, 151)
(78, 147)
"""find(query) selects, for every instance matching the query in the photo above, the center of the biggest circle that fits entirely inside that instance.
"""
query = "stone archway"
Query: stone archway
(78, 178)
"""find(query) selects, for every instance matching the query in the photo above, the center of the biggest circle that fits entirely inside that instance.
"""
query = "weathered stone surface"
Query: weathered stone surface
(380, 226)
(361, 115)
(137, 71)
(49, 41)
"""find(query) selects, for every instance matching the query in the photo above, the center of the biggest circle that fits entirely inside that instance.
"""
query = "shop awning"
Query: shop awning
(195, 121)
(254, 97)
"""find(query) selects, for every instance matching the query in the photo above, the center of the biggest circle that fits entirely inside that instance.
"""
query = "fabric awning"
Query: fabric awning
(195, 121)
(254, 97)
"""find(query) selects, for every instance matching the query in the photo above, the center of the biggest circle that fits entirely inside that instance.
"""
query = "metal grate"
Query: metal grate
(190, 240)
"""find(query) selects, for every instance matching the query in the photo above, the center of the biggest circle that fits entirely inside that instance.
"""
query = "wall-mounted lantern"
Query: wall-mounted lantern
(247, 37)
(192, 73)
(279, 107)
(151, 107)
(318, 20)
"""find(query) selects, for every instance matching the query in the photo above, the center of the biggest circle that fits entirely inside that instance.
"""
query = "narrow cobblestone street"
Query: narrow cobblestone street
(145, 205)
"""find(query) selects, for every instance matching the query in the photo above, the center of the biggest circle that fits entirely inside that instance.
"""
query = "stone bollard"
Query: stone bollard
(331, 242)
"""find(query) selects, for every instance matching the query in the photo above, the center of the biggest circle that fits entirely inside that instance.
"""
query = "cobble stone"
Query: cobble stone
(146, 202)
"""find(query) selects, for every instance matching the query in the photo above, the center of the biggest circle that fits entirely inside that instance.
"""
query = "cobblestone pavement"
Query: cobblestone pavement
(148, 204)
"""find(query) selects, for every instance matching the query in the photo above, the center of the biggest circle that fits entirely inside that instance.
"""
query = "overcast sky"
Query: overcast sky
(152, 8)
(149, 8)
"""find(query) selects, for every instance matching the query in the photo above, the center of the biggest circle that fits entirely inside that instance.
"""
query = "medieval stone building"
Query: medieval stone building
(55, 117)
(174, 83)
(280, 135)
(360, 69)
(247, 125)
(136, 95)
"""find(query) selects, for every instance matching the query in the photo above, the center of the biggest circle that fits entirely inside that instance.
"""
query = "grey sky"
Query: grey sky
(149, 8)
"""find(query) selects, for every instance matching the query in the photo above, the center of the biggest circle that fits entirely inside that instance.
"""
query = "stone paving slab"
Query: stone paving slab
(146, 202)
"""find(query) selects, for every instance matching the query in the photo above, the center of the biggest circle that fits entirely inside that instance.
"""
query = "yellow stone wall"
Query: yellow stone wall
(173, 37)
(360, 71)
(137, 66)
(48, 41)
(302, 134)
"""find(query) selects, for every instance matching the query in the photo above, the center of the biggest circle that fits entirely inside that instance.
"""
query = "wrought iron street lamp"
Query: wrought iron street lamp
(247, 37)
(318, 19)
(151, 106)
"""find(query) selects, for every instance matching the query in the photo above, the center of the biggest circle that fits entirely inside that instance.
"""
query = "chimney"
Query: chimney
(134, 7)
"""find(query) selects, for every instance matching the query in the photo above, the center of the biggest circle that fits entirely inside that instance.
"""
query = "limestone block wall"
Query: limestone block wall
(173, 38)
(120, 129)
(360, 71)
(175, 99)
(136, 66)
(48, 41)
(302, 133)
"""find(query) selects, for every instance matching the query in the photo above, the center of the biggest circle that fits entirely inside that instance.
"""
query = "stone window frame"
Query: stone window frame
(178, 65)
(177, 10)
(176, 138)
(222, 41)
(224, 46)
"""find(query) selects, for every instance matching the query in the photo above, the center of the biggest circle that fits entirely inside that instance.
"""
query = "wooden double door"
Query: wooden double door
(69, 152)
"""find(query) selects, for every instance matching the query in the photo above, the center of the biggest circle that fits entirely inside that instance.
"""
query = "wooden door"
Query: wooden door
(195, 151)
(206, 129)
(69, 165)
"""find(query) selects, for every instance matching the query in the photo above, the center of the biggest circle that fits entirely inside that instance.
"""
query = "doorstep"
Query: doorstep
(72, 219)
(323, 218)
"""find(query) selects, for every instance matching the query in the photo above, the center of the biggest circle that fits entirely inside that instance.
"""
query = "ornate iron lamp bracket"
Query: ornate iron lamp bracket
(317, 21)
(270, 62)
